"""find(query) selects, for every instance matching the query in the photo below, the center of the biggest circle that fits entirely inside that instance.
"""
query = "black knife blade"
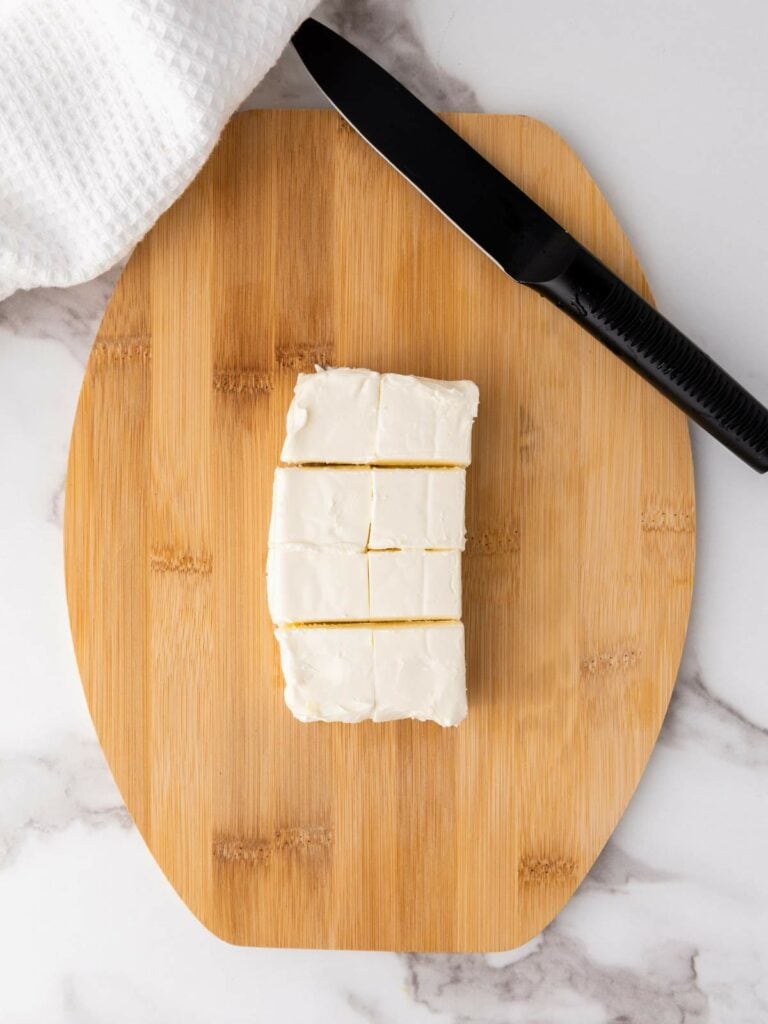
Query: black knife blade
(527, 243)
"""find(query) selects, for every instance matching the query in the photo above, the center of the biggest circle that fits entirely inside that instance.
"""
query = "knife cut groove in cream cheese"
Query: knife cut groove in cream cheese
(365, 542)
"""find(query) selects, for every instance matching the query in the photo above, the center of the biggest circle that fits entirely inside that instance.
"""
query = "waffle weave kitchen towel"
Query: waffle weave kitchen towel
(108, 109)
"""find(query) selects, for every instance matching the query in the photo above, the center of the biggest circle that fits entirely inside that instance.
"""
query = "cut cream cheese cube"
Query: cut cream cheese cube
(321, 508)
(419, 672)
(328, 672)
(415, 584)
(418, 508)
(422, 421)
(354, 673)
(317, 585)
(333, 417)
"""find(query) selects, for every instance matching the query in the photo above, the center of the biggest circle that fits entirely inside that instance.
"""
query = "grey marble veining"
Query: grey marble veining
(698, 715)
(664, 103)
(46, 793)
(63, 316)
(559, 977)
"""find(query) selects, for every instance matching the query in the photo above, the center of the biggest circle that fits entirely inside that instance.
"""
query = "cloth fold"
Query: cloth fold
(108, 109)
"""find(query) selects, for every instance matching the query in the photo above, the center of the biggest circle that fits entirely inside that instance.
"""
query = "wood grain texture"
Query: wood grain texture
(297, 245)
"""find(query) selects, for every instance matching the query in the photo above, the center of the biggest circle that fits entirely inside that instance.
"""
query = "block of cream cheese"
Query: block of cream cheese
(321, 508)
(418, 672)
(358, 417)
(424, 422)
(415, 584)
(418, 508)
(317, 585)
(333, 417)
(328, 672)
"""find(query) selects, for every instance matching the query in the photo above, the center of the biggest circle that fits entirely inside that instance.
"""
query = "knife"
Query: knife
(527, 243)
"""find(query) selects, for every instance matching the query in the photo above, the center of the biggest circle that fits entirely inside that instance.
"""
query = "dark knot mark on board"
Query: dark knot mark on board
(494, 540)
(529, 438)
(533, 870)
(119, 351)
(182, 562)
(234, 850)
(303, 355)
(242, 382)
(609, 662)
(664, 520)
(345, 127)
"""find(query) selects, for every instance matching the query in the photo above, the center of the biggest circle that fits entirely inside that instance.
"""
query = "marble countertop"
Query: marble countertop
(665, 102)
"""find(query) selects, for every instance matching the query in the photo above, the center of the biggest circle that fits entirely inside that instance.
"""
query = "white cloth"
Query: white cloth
(108, 108)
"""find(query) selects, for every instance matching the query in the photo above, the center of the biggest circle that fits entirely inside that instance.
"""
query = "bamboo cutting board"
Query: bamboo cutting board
(298, 245)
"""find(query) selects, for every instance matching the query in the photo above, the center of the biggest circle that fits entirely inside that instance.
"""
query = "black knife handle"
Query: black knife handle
(631, 328)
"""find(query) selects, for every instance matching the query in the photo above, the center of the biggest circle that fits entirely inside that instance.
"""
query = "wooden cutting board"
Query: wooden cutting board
(298, 245)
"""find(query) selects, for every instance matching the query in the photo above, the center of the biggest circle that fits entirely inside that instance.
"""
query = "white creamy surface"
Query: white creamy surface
(415, 584)
(321, 507)
(354, 415)
(425, 421)
(418, 508)
(328, 673)
(317, 585)
(380, 672)
(354, 508)
(419, 672)
(333, 417)
(306, 584)
(665, 103)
